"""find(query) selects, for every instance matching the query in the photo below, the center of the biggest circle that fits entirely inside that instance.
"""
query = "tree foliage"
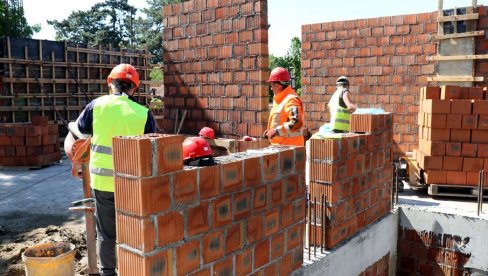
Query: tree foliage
(13, 22)
(291, 61)
(115, 22)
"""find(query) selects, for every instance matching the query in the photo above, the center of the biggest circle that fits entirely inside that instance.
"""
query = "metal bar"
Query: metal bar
(82, 209)
(182, 120)
(480, 192)
(309, 225)
(315, 227)
(322, 223)
(176, 119)
(91, 244)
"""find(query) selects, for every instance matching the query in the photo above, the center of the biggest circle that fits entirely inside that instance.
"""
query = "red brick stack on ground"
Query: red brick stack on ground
(244, 215)
(453, 134)
(354, 173)
(34, 144)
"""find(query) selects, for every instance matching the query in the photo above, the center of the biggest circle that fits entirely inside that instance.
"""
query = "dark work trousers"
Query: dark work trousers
(105, 215)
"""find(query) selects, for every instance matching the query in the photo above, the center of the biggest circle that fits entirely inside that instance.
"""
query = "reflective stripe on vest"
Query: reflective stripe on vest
(276, 118)
(112, 116)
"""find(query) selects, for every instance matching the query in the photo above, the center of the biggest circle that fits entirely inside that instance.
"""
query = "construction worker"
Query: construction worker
(341, 106)
(285, 124)
(117, 114)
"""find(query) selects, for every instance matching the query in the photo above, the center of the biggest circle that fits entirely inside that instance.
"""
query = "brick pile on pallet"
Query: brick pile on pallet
(244, 215)
(453, 134)
(354, 173)
(29, 145)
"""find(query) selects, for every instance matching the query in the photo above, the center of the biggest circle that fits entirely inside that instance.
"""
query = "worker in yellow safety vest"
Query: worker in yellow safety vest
(341, 106)
(285, 124)
(116, 114)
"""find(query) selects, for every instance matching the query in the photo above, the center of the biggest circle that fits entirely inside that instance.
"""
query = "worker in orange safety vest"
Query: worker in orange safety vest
(285, 124)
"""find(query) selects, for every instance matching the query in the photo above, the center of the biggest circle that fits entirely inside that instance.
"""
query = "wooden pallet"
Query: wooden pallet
(455, 191)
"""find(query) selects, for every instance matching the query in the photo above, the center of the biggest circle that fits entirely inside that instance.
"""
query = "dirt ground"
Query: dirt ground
(16, 238)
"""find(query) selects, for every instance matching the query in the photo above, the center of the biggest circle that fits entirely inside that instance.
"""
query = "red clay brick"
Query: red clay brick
(480, 107)
(33, 141)
(132, 155)
(451, 92)
(456, 178)
(138, 233)
(439, 134)
(482, 150)
(461, 107)
(472, 178)
(244, 262)
(170, 228)
(188, 257)
(197, 219)
(476, 93)
(39, 120)
(260, 198)
(293, 237)
(469, 150)
(454, 121)
(453, 163)
(470, 122)
(209, 178)
(472, 164)
(142, 196)
(437, 106)
(479, 136)
(261, 254)
(432, 92)
(222, 211)
(435, 177)
(232, 176)
(277, 246)
(213, 246)
(270, 167)
(436, 120)
(185, 187)
(169, 152)
(19, 130)
(453, 149)
(287, 161)
(300, 158)
(483, 122)
(255, 229)
(5, 141)
(130, 263)
(431, 162)
(224, 267)
(242, 205)
(235, 238)
(272, 222)
(461, 135)
(252, 172)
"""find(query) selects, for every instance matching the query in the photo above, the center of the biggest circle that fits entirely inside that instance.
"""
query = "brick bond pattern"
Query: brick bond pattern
(354, 173)
(31, 144)
(453, 134)
(428, 253)
(379, 268)
(215, 65)
(245, 215)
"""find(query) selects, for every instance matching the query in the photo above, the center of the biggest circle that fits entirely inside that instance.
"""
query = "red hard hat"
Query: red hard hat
(196, 147)
(124, 72)
(207, 132)
(279, 74)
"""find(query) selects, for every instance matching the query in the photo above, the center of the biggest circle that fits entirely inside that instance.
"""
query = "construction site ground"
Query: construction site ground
(34, 210)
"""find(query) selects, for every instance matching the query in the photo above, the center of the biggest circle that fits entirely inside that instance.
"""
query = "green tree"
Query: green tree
(13, 22)
(109, 22)
(291, 61)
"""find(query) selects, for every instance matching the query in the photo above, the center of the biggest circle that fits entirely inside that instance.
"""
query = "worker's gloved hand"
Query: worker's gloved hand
(270, 133)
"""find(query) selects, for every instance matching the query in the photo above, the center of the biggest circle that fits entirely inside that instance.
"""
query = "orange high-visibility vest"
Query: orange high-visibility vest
(279, 118)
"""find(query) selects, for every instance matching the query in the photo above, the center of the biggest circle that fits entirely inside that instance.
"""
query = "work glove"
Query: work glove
(270, 133)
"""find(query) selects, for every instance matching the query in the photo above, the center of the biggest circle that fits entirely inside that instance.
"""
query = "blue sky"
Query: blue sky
(285, 16)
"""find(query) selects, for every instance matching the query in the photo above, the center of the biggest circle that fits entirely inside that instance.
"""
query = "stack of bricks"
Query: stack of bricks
(354, 173)
(430, 253)
(252, 145)
(453, 134)
(33, 145)
(215, 64)
(244, 215)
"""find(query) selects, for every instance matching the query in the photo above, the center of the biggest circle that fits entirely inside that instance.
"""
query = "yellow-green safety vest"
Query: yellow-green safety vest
(112, 116)
(340, 117)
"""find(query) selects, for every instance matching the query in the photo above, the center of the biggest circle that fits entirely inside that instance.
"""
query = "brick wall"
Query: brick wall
(429, 253)
(354, 174)
(215, 65)
(379, 268)
(385, 59)
(34, 144)
(244, 215)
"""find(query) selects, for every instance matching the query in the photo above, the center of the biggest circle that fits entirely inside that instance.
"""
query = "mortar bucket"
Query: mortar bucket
(50, 259)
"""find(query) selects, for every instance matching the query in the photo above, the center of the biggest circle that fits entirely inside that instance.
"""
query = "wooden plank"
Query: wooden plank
(461, 35)
(105, 52)
(460, 57)
(455, 78)
(460, 17)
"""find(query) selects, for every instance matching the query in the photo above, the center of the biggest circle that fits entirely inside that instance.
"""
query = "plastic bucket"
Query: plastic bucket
(50, 259)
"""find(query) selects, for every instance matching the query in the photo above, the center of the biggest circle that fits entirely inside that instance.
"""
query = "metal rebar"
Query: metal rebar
(392, 195)
(309, 225)
(322, 228)
(480, 191)
(396, 185)
(315, 227)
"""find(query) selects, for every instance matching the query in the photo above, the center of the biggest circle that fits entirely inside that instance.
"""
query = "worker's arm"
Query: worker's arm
(151, 125)
(294, 112)
(85, 120)
(350, 105)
